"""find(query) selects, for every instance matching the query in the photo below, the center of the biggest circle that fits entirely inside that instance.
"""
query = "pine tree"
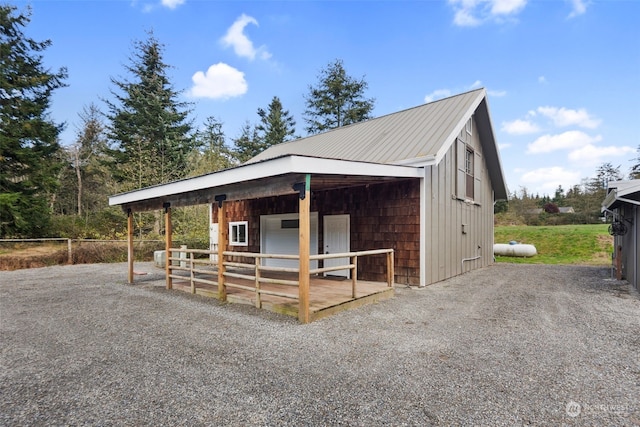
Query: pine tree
(276, 124)
(29, 148)
(248, 144)
(214, 154)
(337, 100)
(87, 157)
(634, 173)
(149, 127)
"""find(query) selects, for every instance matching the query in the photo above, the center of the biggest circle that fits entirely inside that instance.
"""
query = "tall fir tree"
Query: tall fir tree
(337, 100)
(276, 124)
(634, 173)
(148, 127)
(29, 147)
(88, 158)
(214, 154)
(248, 144)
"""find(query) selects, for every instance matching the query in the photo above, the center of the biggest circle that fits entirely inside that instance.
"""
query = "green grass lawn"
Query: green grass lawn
(561, 244)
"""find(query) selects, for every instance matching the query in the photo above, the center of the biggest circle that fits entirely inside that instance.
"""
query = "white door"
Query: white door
(279, 234)
(336, 240)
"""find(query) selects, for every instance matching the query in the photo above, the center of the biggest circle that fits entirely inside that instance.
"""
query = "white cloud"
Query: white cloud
(562, 117)
(220, 82)
(503, 146)
(172, 4)
(475, 85)
(507, 7)
(241, 44)
(592, 155)
(542, 80)
(471, 13)
(520, 127)
(579, 7)
(497, 93)
(567, 140)
(546, 180)
(437, 94)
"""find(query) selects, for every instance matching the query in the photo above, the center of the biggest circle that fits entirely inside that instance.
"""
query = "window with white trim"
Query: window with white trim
(469, 169)
(238, 233)
(469, 126)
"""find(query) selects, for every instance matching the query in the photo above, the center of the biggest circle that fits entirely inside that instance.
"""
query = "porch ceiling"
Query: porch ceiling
(263, 180)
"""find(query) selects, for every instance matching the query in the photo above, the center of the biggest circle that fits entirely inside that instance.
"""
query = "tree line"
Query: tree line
(143, 135)
(579, 204)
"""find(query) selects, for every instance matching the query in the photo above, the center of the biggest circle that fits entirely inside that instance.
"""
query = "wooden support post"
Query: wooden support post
(390, 270)
(168, 243)
(130, 244)
(257, 283)
(619, 262)
(223, 238)
(354, 276)
(193, 275)
(69, 252)
(304, 237)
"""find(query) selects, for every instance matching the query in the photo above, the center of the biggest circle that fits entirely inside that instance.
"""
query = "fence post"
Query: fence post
(192, 274)
(390, 269)
(354, 275)
(69, 252)
(257, 282)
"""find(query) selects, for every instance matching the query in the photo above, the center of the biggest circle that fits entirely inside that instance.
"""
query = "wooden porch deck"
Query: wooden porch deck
(327, 295)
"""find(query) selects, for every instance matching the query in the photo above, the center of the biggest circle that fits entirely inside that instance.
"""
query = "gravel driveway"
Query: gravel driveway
(505, 345)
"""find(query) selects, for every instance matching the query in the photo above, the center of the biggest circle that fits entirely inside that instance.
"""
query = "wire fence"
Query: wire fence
(77, 250)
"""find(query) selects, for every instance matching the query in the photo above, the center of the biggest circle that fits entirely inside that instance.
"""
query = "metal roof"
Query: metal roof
(416, 133)
(394, 146)
(622, 192)
(417, 136)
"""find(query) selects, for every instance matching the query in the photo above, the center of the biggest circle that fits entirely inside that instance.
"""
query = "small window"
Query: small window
(469, 126)
(290, 223)
(468, 169)
(238, 233)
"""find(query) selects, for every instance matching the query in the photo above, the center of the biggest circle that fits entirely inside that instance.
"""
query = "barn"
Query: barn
(402, 199)
(622, 203)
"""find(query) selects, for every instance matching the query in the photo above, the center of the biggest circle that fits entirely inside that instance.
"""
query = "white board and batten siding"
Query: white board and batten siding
(455, 224)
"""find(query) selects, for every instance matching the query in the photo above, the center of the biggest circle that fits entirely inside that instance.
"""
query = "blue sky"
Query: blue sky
(563, 76)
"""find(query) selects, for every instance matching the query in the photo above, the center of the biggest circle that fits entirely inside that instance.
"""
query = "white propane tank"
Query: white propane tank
(521, 250)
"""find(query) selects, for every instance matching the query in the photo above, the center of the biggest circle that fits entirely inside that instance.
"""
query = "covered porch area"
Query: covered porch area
(277, 289)
(307, 291)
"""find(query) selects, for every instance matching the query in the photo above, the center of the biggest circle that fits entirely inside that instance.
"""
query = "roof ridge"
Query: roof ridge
(299, 140)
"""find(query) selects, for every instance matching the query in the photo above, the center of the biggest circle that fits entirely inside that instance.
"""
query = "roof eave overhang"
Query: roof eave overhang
(620, 192)
(262, 179)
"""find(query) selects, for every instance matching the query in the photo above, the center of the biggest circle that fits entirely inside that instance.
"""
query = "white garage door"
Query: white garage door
(279, 234)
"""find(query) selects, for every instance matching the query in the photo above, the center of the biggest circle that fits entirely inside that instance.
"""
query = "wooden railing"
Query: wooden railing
(353, 265)
(193, 265)
(252, 271)
(257, 277)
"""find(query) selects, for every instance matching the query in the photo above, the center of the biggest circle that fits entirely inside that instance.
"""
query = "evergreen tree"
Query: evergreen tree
(248, 144)
(634, 173)
(337, 100)
(149, 129)
(87, 157)
(214, 154)
(276, 124)
(559, 197)
(29, 145)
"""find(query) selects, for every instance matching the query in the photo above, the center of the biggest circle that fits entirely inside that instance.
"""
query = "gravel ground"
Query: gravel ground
(504, 345)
